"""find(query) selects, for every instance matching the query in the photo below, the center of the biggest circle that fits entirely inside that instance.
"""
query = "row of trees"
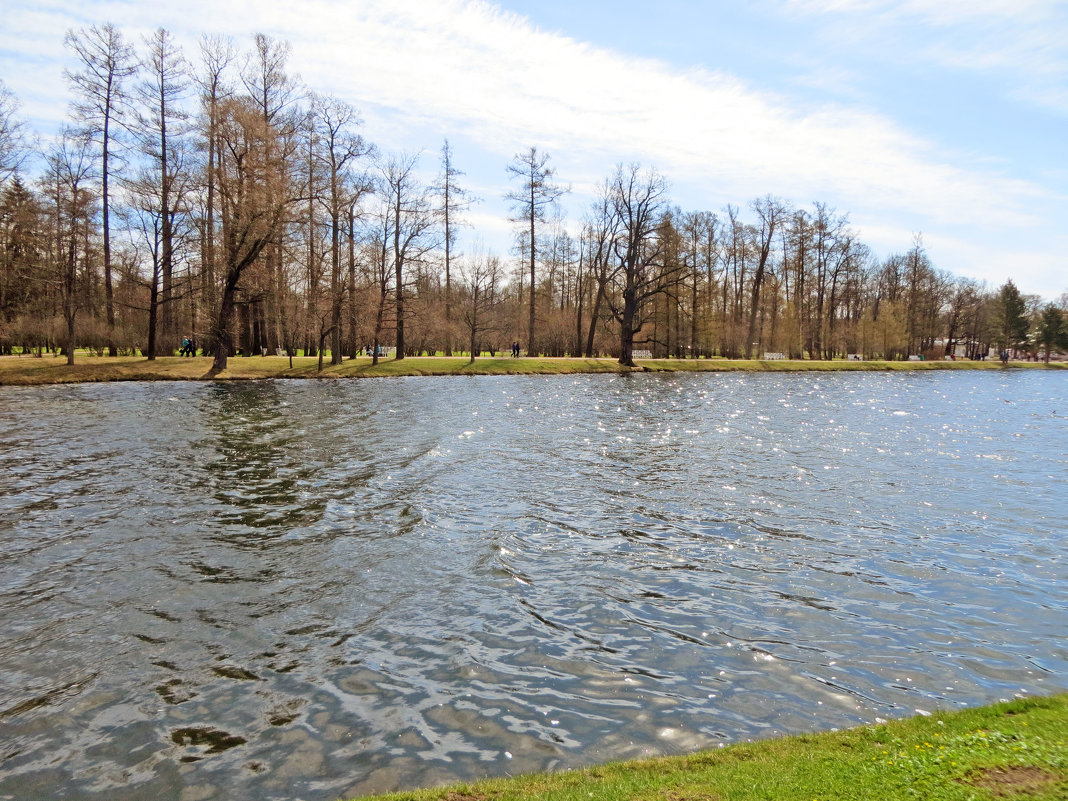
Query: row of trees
(223, 201)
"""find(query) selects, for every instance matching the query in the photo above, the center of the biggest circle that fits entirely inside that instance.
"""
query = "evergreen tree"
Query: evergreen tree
(1013, 325)
(1052, 330)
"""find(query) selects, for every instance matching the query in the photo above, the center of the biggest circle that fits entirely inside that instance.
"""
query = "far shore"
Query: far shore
(30, 370)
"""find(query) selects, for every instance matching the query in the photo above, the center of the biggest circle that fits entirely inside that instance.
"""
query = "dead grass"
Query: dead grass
(1013, 780)
(31, 370)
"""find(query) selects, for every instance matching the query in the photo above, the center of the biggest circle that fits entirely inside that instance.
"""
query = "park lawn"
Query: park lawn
(817, 365)
(31, 370)
(1016, 750)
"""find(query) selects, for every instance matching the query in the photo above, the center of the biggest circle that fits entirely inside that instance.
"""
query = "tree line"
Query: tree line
(221, 201)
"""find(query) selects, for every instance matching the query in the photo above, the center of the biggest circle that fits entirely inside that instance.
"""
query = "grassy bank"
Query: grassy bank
(1017, 750)
(30, 370)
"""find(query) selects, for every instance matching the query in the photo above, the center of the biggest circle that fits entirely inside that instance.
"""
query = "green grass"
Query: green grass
(28, 370)
(1017, 750)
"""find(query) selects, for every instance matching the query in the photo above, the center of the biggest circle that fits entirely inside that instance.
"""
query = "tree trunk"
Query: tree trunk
(580, 298)
(448, 276)
(222, 333)
(693, 314)
(398, 264)
(109, 295)
(474, 323)
(153, 314)
(754, 304)
(530, 331)
(626, 328)
(351, 345)
(595, 314)
(335, 274)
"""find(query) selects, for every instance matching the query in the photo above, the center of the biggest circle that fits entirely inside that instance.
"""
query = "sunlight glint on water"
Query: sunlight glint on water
(318, 589)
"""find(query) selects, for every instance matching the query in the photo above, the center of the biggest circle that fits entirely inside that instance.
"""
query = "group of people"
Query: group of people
(189, 347)
(515, 350)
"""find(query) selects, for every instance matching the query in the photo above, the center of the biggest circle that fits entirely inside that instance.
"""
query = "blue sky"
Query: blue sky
(944, 118)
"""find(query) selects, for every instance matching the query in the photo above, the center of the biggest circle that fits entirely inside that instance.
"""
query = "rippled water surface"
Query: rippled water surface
(286, 590)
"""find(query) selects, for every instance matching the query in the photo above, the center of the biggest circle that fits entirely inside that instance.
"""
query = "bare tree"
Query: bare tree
(530, 203)
(216, 56)
(601, 227)
(797, 247)
(144, 221)
(830, 235)
(265, 78)
(162, 129)
(69, 170)
(410, 226)
(771, 213)
(482, 278)
(454, 201)
(106, 62)
(13, 147)
(965, 291)
(700, 232)
(339, 149)
(918, 275)
(379, 266)
(638, 202)
(362, 186)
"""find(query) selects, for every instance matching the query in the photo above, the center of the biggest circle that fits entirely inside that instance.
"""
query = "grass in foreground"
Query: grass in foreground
(1017, 750)
(30, 370)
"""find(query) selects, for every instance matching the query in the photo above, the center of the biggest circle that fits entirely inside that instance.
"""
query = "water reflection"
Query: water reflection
(318, 589)
(254, 471)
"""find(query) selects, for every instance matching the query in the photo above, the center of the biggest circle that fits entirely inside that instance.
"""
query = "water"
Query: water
(282, 590)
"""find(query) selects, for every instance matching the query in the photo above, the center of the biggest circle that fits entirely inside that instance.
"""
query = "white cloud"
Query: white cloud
(505, 84)
(993, 261)
(468, 67)
(1022, 42)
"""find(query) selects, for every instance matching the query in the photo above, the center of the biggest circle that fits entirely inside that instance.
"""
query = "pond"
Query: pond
(283, 590)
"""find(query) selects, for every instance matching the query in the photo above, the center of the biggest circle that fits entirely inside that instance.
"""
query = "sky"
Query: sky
(943, 118)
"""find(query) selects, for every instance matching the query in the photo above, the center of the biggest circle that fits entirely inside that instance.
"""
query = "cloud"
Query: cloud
(1024, 43)
(506, 84)
(471, 68)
